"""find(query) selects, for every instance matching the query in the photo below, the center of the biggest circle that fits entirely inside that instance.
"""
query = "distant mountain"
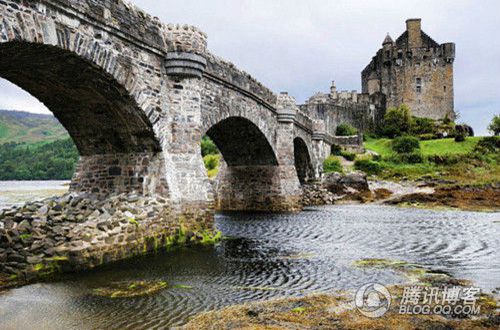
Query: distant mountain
(20, 126)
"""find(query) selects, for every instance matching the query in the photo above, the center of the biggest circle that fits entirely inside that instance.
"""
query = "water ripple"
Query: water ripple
(268, 256)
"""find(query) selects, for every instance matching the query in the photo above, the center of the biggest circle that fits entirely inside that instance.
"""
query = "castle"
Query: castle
(414, 70)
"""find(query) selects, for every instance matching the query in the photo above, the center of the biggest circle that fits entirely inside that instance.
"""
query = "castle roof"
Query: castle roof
(427, 41)
(387, 40)
(373, 76)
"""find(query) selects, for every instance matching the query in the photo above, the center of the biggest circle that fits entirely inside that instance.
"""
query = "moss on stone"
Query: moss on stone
(130, 289)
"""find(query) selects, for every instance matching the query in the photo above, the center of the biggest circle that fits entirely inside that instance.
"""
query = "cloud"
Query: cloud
(300, 46)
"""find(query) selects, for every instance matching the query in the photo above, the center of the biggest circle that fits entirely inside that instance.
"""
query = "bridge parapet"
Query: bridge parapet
(304, 121)
(119, 16)
(227, 72)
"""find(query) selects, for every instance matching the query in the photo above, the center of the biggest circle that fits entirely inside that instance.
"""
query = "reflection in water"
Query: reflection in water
(266, 256)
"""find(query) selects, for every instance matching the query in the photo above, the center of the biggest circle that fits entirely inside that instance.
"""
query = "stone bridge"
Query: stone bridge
(136, 96)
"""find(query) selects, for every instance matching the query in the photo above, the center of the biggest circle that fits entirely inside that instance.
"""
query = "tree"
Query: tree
(405, 144)
(494, 127)
(397, 121)
(208, 147)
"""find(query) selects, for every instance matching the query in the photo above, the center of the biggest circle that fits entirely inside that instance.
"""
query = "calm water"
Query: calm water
(268, 256)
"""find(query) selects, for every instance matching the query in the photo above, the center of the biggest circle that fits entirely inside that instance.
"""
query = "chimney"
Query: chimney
(333, 91)
(414, 28)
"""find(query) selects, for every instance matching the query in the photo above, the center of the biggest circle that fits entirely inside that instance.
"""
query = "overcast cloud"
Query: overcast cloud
(301, 46)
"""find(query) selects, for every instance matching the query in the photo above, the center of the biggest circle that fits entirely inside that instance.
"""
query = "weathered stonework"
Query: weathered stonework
(416, 71)
(111, 174)
(136, 96)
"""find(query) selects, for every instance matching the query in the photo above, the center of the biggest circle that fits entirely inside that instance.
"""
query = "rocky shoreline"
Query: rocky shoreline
(355, 187)
(337, 310)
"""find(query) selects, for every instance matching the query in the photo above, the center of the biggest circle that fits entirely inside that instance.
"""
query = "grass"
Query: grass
(464, 171)
(431, 147)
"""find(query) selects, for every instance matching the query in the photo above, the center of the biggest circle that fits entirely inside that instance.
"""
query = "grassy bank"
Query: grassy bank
(442, 159)
(432, 147)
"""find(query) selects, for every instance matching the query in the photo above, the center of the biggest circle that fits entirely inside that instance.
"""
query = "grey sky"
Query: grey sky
(300, 46)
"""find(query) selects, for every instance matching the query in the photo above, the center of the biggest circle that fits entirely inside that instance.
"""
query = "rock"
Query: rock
(15, 257)
(24, 226)
(34, 260)
(356, 180)
(332, 182)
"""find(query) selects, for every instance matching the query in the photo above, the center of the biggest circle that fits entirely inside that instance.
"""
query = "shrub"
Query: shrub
(332, 164)
(346, 130)
(447, 120)
(488, 144)
(445, 159)
(208, 147)
(405, 144)
(336, 150)
(348, 155)
(459, 137)
(423, 126)
(368, 166)
(411, 158)
(494, 127)
(397, 122)
(211, 162)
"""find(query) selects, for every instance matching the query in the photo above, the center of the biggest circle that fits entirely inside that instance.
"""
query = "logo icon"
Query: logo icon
(373, 300)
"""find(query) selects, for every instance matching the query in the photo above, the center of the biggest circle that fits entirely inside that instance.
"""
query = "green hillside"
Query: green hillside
(25, 127)
(34, 147)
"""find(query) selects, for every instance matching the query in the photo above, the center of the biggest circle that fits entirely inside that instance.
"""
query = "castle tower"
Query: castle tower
(414, 70)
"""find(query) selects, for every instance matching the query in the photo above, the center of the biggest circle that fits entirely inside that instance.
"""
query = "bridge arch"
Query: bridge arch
(303, 163)
(97, 111)
(242, 143)
(115, 139)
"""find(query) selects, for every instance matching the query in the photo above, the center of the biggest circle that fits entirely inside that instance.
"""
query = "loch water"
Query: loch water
(266, 256)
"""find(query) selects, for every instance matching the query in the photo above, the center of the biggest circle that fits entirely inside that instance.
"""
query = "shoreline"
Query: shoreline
(338, 310)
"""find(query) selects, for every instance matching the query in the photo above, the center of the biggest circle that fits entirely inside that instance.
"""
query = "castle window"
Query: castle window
(444, 88)
(418, 84)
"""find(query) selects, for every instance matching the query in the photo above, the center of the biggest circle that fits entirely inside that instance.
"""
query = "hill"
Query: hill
(34, 147)
(31, 128)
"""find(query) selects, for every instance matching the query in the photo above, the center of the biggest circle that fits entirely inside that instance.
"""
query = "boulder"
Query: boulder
(356, 180)
(331, 182)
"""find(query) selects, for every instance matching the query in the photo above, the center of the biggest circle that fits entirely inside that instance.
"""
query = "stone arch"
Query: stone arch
(303, 163)
(115, 138)
(97, 111)
(219, 103)
(242, 143)
(249, 178)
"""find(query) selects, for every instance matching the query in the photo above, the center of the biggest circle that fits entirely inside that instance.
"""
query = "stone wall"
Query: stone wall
(352, 143)
(72, 233)
(111, 174)
(253, 188)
